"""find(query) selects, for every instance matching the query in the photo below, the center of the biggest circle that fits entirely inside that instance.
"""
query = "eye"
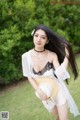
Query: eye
(35, 35)
(43, 37)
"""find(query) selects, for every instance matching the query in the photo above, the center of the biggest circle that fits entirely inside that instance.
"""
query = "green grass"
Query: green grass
(22, 104)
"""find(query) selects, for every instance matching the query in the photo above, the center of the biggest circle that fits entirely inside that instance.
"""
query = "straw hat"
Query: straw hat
(48, 85)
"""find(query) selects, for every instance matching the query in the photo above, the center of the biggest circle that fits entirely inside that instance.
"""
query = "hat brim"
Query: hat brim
(48, 85)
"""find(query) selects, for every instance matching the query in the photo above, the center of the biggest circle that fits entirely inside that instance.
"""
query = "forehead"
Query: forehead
(41, 32)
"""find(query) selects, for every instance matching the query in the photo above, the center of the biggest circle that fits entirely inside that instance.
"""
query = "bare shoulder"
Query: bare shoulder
(52, 55)
(54, 58)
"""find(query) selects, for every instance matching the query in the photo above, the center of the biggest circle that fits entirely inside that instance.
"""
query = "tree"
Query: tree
(19, 17)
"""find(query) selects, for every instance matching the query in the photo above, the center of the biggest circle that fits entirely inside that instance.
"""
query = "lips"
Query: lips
(38, 43)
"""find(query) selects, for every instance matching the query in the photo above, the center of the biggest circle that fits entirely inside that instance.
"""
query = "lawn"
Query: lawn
(22, 103)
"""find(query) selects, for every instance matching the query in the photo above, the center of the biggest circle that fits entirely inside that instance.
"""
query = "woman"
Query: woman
(49, 59)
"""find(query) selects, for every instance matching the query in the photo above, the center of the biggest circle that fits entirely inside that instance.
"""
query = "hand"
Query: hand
(41, 94)
(67, 52)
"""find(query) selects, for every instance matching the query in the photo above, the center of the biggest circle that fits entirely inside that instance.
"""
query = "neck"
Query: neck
(39, 50)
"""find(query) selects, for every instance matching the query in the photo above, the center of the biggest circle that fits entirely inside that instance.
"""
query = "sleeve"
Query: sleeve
(61, 73)
(25, 66)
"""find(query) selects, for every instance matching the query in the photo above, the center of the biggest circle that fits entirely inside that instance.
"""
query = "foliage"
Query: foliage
(19, 17)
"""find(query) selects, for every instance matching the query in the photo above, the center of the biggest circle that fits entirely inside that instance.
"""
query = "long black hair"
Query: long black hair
(57, 44)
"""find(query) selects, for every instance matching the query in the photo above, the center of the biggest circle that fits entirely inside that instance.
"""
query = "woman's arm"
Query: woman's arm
(56, 61)
(65, 62)
(60, 70)
(42, 95)
(33, 83)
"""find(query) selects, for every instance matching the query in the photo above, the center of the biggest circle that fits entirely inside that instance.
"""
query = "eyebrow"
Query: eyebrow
(41, 35)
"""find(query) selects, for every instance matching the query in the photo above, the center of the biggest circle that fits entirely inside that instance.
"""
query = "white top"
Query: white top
(60, 72)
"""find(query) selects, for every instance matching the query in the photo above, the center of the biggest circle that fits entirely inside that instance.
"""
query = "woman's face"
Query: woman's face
(40, 38)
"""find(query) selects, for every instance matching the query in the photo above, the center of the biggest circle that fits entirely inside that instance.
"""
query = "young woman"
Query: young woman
(46, 68)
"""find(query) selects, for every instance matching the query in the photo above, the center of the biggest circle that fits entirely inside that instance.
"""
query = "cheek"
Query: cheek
(33, 39)
(45, 41)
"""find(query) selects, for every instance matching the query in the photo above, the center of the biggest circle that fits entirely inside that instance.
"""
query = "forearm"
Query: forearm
(33, 83)
(37, 89)
(65, 62)
(61, 71)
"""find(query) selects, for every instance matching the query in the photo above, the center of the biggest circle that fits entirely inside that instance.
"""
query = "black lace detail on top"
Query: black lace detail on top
(48, 66)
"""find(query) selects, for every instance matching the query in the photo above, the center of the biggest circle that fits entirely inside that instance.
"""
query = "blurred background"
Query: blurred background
(17, 20)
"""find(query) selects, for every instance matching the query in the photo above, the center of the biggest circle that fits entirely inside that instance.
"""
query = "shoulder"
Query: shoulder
(53, 55)
(54, 59)
(24, 55)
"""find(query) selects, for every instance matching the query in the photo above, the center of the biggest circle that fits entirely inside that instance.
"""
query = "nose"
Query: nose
(39, 39)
